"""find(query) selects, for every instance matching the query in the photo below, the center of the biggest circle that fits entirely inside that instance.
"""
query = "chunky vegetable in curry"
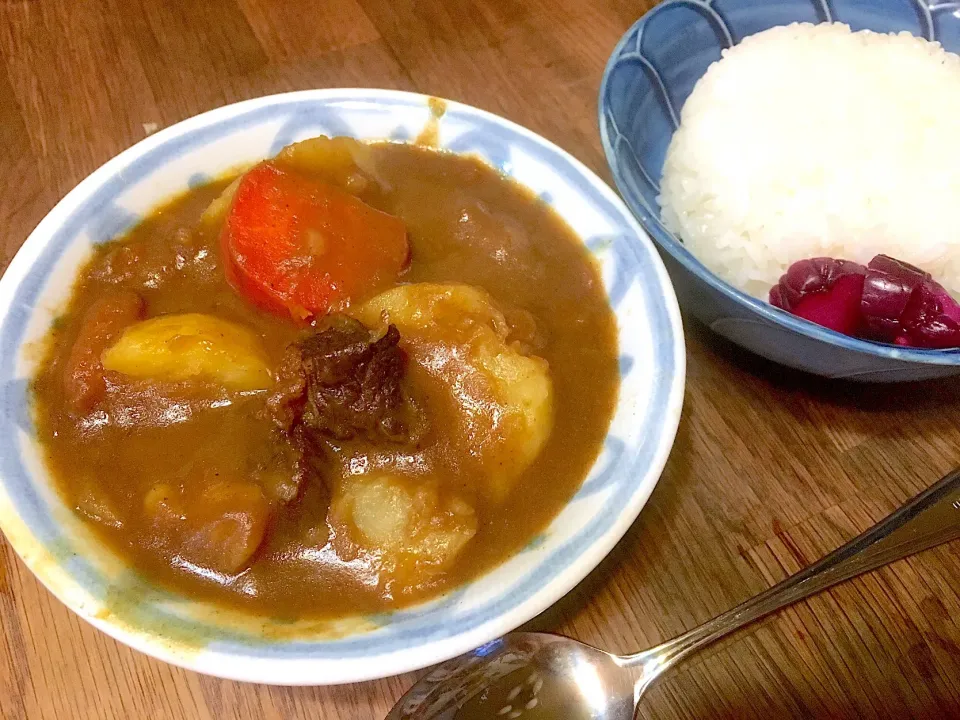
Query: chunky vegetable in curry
(354, 376)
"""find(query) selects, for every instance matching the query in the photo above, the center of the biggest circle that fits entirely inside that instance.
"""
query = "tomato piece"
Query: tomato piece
(296, 246)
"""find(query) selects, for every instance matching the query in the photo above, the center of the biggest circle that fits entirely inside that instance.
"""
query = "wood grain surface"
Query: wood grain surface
(771, 469)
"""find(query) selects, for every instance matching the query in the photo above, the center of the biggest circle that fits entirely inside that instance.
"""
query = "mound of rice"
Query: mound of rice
(810, 140)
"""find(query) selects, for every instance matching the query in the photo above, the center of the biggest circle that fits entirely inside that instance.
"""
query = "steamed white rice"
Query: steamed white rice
(810, 140)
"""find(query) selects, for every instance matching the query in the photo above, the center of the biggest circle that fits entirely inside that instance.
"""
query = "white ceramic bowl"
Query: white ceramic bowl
(95, 584)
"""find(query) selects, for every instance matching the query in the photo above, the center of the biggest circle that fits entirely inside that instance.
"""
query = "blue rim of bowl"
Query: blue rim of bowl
(665, 239)
(525, 598)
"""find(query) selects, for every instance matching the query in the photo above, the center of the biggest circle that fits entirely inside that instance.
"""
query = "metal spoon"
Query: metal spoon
(538, 675)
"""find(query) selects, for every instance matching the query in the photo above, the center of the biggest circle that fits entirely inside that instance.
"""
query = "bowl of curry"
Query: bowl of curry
(331, 385)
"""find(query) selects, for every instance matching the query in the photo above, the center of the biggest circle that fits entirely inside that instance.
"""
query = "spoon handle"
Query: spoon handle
(929, 519)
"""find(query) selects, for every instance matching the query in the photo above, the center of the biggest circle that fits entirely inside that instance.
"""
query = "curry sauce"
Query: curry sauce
(491, 270)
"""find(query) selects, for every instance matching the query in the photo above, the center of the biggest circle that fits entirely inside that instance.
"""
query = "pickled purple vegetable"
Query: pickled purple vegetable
(886, 291)
(889, 301)
(824, 291)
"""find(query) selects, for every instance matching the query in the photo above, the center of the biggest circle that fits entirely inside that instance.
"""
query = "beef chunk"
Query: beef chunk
(343, 381)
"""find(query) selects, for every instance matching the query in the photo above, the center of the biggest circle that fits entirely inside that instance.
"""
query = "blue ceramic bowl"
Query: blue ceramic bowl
(648, 78)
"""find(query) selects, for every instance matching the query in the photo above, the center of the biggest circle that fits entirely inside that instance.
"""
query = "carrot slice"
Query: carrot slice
(83, 382)
(296, 246)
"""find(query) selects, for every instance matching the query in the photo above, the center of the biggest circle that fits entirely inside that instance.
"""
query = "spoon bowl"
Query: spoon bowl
(528, 676)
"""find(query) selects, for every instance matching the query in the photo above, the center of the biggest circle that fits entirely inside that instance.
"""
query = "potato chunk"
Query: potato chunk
(414, 530)
(217, 210)
(341, 160)
(502, 398)
(192, 346)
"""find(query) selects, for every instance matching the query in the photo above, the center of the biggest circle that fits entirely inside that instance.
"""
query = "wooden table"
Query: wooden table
(771, 469)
